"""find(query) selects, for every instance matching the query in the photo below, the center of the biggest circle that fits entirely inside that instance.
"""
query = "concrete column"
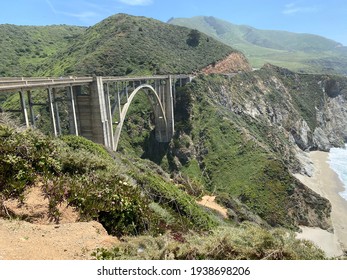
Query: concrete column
(56, 110)
(169, 109)
(174, 92)
(126, 91)
(51, 111)
(109, 117)
(72, 114)
(156, 86)
(100, 114)
(163, 93)
(24, 109)
(119, 104)
(31, 109)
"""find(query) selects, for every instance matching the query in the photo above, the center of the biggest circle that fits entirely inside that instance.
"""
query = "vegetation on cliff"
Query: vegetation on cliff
(121, 193)
(229, 151)
(131, 197)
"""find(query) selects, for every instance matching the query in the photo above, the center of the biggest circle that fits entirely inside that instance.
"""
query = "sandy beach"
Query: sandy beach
(327, 183)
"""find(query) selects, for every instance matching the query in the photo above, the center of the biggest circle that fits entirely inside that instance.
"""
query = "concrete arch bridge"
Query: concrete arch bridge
(97, 106)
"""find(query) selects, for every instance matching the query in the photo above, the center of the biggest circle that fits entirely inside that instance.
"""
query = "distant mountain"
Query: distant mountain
(25, 48)
(299, 52)
(129, 45)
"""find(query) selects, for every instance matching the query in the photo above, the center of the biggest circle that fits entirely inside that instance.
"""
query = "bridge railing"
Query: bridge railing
(11, 84)
(22, 83)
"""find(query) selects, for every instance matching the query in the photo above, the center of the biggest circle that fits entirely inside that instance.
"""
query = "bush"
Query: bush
(74, 170)
(175, 199)
(247, 242)
(23, 156)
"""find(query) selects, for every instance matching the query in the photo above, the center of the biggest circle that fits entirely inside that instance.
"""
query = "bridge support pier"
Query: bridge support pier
(51, 111)
(164, 128)
(94, 114)
(31, 108)
(24, 108)
(73, 126)
(56, 111)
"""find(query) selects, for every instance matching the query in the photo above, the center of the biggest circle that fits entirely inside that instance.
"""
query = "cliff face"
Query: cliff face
(243, 135)
(309, 110)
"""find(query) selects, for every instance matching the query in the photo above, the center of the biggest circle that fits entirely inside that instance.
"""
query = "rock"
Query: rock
(301, 134)
(320, 140)
(307, 167)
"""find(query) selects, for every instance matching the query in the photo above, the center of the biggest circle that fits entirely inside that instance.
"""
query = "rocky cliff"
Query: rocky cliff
(242, 136)
(309, 111)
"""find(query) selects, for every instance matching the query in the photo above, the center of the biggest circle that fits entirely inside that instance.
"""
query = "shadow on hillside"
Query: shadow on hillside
(153, 150)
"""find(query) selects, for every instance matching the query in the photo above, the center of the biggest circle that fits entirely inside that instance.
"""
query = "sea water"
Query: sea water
(338, 162)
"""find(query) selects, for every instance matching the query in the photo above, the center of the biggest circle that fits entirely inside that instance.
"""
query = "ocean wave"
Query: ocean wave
(338, 162)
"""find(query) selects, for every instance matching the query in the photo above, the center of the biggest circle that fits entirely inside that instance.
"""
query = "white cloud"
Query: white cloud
(293, 8)
(82, 16)
(137, 2)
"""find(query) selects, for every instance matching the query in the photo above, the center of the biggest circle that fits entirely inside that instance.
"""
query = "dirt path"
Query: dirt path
(208, 201)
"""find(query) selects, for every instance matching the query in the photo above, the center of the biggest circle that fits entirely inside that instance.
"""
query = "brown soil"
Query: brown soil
(39, 238)
(208, 201)
(233, 63)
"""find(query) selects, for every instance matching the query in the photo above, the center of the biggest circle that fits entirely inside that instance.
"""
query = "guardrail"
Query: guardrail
(10, 84)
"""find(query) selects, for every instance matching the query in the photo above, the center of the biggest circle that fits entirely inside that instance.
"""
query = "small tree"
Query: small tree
(194, 38)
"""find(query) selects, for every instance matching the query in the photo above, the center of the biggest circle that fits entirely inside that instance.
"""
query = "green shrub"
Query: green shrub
(80, 143)
(171, 196)
(23, 156)
(118, 206)
(247, 242)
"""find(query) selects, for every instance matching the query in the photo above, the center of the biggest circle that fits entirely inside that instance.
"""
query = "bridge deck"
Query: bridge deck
(13, 84)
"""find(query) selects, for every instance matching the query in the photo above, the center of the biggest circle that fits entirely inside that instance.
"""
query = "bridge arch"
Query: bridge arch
(161, 123)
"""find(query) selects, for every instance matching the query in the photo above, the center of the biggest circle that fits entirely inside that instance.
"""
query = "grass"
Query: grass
(25, 48)
(247, 242)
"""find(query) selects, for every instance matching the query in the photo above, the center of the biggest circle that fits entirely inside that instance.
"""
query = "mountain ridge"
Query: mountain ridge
(296, 51)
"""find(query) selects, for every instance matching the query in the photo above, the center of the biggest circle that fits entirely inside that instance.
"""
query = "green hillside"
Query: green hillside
(128, 45)
(133, 199)
(25, 48)
(119, 45)
(299, 52)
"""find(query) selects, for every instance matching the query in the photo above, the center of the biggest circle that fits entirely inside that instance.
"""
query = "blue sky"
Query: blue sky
(326, 18)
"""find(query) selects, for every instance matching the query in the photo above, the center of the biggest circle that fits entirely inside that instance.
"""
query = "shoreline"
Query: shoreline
(327, 183)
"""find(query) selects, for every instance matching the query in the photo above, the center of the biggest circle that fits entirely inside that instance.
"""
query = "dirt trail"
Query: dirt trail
(208, 201)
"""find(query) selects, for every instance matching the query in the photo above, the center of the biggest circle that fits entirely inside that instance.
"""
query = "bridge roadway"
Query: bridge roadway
(24, 83)
(91, 113)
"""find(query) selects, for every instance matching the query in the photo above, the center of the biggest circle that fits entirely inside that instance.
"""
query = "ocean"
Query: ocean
(338, 162)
